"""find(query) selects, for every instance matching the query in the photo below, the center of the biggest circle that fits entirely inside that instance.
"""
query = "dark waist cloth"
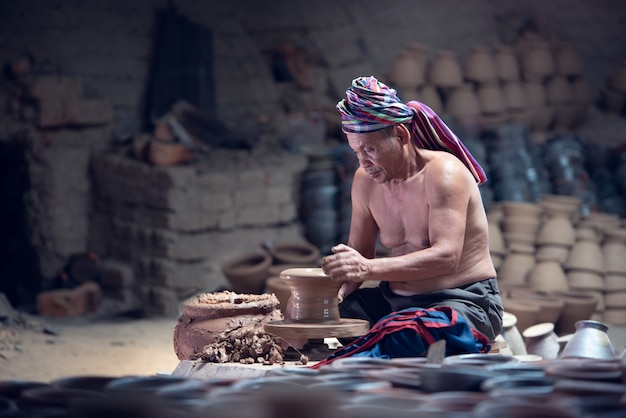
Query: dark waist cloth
(479, 303)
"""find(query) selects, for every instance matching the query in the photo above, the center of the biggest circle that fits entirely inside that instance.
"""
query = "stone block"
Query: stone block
(88, 112)
(252, 216)
(116, 274)
(82, 300)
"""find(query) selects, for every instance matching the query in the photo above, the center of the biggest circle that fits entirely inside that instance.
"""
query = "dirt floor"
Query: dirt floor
(49, 349)
(46, 349)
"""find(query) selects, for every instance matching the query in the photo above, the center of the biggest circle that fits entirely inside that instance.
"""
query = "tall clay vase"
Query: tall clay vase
(206, 315)
(314, 296)
(590, 341)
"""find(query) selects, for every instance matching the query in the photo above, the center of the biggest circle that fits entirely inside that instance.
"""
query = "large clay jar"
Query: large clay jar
(516, 265)
(206, 315)
(537, 61)
(462, 102)
(314, 296)
(409, 68)
(491, 98)
(514, 96)
(586, 254)
(589, 341)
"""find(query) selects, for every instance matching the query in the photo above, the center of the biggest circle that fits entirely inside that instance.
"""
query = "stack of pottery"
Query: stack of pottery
(497, 247)
(549, 306)
(521, 222)
(584, 265)
(517, 263)
(492, 102)
(557, 234)
(614, 250)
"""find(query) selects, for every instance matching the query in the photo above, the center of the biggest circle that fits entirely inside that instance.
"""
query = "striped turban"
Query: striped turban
(371, 105)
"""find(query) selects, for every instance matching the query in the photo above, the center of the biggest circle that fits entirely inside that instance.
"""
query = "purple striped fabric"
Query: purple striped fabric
(371, 105)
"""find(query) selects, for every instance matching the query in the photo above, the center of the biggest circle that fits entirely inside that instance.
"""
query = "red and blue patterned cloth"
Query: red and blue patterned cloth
(371, 105)
(409, 333)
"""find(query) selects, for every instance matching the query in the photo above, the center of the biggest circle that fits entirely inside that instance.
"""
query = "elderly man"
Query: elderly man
(416, 189)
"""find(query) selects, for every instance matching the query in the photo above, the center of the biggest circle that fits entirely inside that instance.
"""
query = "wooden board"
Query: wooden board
(346, 327)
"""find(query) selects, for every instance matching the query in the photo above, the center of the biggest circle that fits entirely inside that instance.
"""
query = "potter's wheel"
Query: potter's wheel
(315, 333)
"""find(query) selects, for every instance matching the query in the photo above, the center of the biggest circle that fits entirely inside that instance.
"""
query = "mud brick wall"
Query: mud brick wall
(165, 231)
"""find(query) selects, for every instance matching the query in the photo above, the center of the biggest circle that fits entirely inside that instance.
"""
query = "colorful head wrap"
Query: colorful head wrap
(371, 105)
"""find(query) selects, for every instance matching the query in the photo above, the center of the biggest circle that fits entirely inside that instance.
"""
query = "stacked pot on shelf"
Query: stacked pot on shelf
(536, 82)
(557, 265)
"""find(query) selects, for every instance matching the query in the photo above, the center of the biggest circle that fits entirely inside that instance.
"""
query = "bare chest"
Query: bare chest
(402, 219)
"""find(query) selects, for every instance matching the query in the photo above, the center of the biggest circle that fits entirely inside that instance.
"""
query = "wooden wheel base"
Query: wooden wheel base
(345, 327)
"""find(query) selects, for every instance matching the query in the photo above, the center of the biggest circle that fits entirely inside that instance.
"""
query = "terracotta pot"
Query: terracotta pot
(462, 102)
(314, 295)
(409, 68)
(445, 70)
(559, 91)
(586, 254)
(507, 66)
(558, 252)
(525, 313)
(491, 98)
(515, 267)
(584, 279)
(547, 275)
(615, 299)
(537, 61)
(278, 287)
(428, 94)
(550, 307)
(480, 66)
(541, 340)
(557, 230)
(567, 60)
(578, 306)
(247, 272)
(206, 315)
(514, 95)
(168, 153)
(523, 209)
(303, 253)
(614, 281)
(614, 249)
(590, 341)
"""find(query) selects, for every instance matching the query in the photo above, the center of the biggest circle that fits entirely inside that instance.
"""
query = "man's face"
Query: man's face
(379, 153)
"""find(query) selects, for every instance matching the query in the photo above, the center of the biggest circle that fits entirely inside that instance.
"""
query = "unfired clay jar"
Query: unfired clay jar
(314, 295)
(541, 340)
(445, 70)
(205, 315)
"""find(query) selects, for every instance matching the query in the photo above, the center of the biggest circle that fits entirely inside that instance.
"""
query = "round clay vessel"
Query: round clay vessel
(541, 340)
(206, 315)
(314, 295)
(247, 272)
(303, 253)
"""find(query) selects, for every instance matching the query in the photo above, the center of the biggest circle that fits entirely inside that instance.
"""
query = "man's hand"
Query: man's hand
(346, 264)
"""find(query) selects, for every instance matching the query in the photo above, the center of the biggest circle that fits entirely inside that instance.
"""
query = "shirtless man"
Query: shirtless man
(424, 204)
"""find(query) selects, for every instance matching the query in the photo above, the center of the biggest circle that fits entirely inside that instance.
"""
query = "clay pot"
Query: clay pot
(428, 95)
(303, 253)
(550, 307)
(555, 251)
(314, 295)
(462, 102)
(586, 254)
(515, 267)
(491, 98)
(278, 287)
(537, 61)
(615, 281)
(541, 340)
(514, 95)
(613, 250)
(408, 68)
(206, 315)
(589, 341)
(557, 230)
(578, 306)
(525, 313)
(615, 316)
(445, 70)
(584, 279)
(567, 61)
(535, 93)
(247, 272)
(480, 66)
(615, 299)
(547, 275)
(507, 66)
(559, 91)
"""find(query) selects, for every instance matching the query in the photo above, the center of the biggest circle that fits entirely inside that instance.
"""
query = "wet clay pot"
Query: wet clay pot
(314, 296)
(206, 315)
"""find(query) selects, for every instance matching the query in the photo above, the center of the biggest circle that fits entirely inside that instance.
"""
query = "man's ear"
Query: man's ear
(403, 134)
